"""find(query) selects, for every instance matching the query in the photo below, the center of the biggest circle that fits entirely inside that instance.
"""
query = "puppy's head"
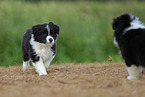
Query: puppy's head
(45, 33)
(122, 22)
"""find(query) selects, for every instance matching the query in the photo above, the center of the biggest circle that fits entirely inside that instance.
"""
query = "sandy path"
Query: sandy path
(69, 80)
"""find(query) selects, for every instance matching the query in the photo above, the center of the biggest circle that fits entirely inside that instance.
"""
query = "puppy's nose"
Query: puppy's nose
(50, 40)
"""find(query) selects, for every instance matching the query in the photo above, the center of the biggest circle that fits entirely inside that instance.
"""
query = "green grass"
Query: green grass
(86, 33)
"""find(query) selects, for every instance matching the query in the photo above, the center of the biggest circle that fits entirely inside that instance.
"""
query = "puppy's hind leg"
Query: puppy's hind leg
(26, 60)
(26, 65)
(134, 72)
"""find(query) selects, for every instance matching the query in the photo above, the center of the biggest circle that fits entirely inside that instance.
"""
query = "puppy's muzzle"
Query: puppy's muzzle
(50, 40)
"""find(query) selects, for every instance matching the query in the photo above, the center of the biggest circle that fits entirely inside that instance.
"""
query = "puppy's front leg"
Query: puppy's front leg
(40, 68)
(47, 62)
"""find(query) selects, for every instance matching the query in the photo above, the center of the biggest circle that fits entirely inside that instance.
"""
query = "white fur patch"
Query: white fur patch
(135, 72)
(26, 65)
(135, 24)
(115, 42)
(47, 27)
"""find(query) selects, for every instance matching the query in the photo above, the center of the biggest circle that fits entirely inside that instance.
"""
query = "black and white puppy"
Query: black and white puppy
(129, 37)
(39, 46)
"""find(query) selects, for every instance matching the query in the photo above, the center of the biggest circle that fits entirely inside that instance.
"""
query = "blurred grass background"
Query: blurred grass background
(86, 33)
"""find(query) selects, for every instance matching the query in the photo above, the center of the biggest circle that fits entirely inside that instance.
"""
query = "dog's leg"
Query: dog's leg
(47, 62)
(134, 72)
(26, 65)
(40, 68)
(26, 60)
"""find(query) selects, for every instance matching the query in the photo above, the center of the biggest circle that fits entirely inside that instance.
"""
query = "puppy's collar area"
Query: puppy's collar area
(132, 17)
(135, 24)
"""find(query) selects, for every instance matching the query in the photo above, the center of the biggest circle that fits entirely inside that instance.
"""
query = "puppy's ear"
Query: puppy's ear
(50, 24)
(118, 26)
(54, 28)
(35, 29)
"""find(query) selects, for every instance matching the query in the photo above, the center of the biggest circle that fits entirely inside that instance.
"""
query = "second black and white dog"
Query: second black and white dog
(39, 46)
(129, 37)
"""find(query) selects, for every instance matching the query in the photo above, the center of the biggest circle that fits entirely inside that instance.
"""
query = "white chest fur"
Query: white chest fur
(42, 50)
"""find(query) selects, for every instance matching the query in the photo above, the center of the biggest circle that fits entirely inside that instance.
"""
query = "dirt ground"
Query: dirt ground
(69, 80)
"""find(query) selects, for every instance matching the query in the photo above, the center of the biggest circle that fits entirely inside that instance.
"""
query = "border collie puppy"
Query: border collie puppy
(129, 37)
(39, 46)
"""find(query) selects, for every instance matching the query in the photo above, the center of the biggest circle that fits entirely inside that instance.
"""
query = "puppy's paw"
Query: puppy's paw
(132, 78)
(25, 66)
(42, 73)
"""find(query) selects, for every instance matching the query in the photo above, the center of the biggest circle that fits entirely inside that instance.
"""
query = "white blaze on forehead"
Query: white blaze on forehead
(48, 29)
